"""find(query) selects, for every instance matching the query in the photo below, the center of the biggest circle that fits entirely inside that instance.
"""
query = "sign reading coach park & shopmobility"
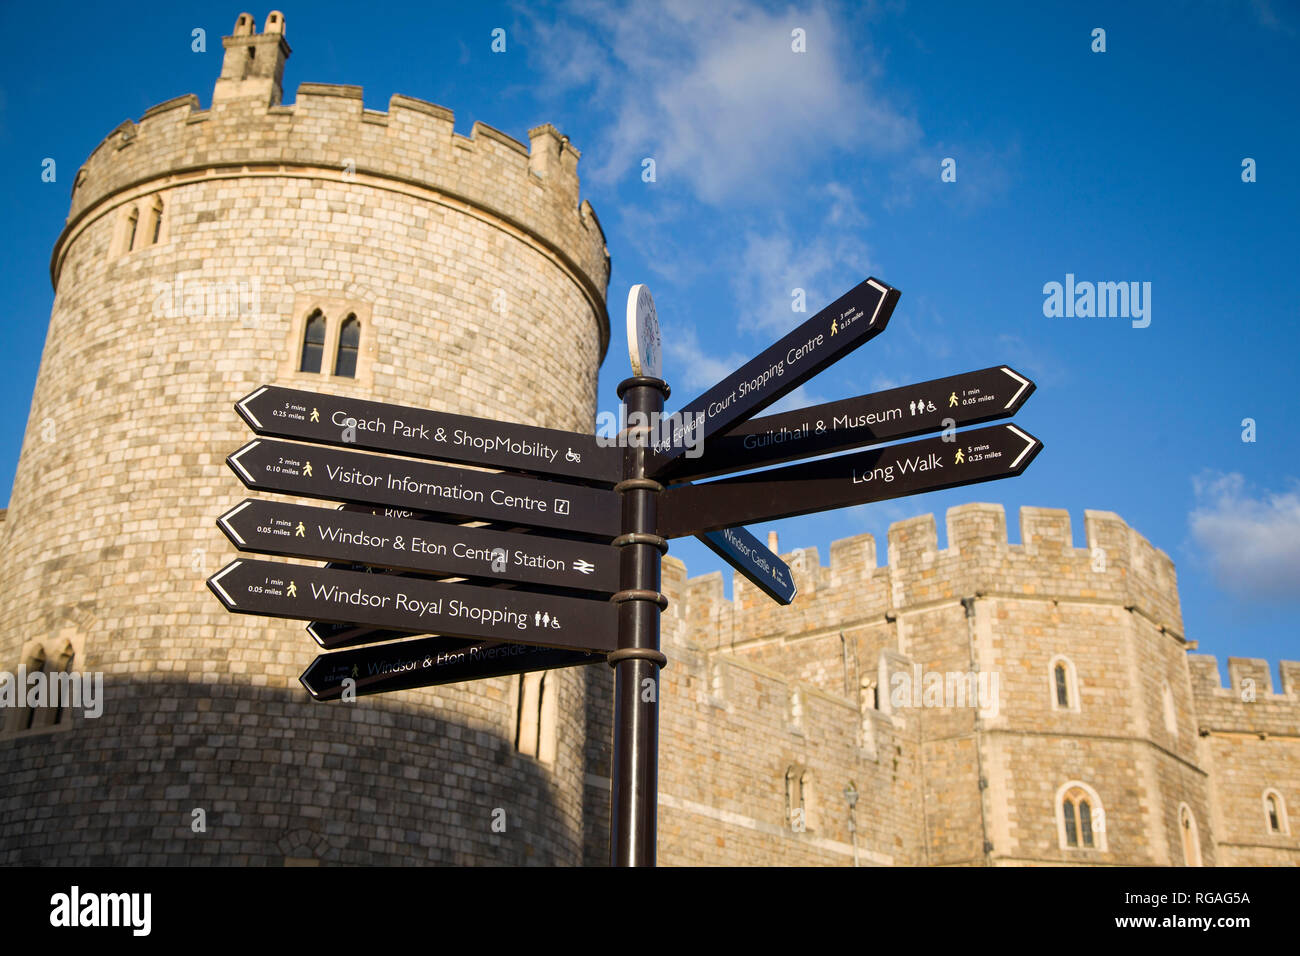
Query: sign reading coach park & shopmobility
(377, 426)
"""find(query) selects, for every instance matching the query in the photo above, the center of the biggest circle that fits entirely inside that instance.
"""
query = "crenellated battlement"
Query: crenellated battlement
(1250, 703)
(327, 133)
(1117, 566)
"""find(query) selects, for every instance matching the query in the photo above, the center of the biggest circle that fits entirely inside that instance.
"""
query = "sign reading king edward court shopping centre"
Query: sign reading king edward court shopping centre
(545, 552)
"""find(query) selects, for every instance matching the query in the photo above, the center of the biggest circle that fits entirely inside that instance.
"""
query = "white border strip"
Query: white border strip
(224, 521)
(1025, 451)
(1024, 384)
(234, 460)
(247, 411)
(216, 582)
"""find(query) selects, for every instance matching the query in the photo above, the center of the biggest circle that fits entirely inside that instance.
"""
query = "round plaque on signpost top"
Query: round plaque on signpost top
(643, 345)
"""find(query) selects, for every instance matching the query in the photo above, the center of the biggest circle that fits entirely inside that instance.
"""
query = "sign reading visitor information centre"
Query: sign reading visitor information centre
(567, 573)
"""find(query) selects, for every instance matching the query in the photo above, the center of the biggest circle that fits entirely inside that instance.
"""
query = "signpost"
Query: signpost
(459, 492)
(896, 471)
(275, 589)
(376, 426)
(854, 318)
(300, 531)
(751, 558)
(957, 400)
(556, 600)
(428, 661)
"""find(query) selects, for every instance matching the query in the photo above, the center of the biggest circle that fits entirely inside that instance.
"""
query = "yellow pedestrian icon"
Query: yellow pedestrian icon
(952, 400)
(315, 415)
(835, 326)
(960, 456)
(355, 670)
(301, 530)
(292, 590)
(307, 469)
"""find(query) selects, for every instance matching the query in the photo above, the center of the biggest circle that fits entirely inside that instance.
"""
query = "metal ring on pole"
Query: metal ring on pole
(638, 484)
(641, 380)
(640, 594)
(637, 654)
(640, 537)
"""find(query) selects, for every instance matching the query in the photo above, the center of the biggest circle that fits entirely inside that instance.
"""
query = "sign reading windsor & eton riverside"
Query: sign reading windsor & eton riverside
(429, 661)
(518, 601)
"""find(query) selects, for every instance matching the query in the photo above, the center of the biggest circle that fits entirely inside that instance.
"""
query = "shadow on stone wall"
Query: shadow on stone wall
(385, 781)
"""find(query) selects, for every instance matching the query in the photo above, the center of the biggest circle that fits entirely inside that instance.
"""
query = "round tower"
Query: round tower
(318, 245)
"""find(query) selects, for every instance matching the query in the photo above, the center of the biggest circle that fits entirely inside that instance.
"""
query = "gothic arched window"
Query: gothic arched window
(313, 343)
(1064, 683)
(345, 362)
(1080, 818)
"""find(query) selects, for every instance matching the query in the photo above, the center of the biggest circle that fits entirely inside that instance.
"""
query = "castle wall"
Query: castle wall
(985, 782)
(493, 309)
(1250, 741)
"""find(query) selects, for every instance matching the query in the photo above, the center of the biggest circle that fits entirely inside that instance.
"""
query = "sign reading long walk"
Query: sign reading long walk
(954, 401)
(751, 558)
(315, 472)
(300, 531)
(429, 661)
(854, 318)
(377, 426)
(274, 589)
(931, 464)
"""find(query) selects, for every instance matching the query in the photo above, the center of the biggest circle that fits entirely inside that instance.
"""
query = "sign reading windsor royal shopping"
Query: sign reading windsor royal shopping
(403, 559)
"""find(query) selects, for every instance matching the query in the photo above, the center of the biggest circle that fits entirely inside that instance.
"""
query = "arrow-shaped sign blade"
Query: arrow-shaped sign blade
(377, 426)
(301, 531)
(896, 471)
(854, 318)
(315, 472)
(428, 662)
(954, 401)
(753, 560)
(301, 592)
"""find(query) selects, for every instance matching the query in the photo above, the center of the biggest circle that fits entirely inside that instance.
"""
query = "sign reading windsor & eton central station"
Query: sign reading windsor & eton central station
(437, 573)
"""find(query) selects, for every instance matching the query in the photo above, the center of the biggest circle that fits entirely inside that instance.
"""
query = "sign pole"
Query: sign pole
(634, 793)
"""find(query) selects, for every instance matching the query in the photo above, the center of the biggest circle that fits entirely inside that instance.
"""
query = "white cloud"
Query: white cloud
(1252, 543)
(770, 268)
(714, 93)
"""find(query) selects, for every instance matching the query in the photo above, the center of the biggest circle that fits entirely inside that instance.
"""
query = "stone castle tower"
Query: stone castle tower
(324, 246)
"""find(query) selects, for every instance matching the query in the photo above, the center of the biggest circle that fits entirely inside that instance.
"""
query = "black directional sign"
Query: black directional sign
(316, 472)
(969, 399)
(300, 531)
(377, 426)
(387, 601)
(751, 557)
(854, 318)
(429, 661)
(983, 454)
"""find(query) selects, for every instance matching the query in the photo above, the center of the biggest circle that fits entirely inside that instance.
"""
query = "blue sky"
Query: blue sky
(778, 170)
